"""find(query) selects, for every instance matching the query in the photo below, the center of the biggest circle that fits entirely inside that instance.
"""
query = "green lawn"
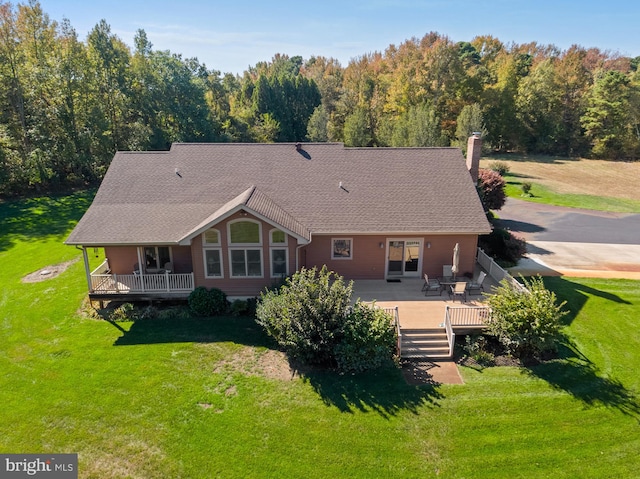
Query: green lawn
(188, 398)
(543, 194)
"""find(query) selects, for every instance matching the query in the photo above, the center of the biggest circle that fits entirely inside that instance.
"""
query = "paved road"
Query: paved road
(574, 241)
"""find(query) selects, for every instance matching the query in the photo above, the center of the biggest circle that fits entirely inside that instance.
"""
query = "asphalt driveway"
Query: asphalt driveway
(574, 242)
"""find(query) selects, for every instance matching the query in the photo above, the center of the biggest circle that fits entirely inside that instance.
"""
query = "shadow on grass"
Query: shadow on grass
(530, 158)
(578, 376)
(384, 391)
(38, 218)
(573, 372)
(240, 330)
(575, 294)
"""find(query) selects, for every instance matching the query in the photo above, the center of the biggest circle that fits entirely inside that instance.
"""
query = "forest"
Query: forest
(67, 104)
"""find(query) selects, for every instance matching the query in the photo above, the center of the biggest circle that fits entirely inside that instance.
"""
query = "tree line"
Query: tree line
(67, 105)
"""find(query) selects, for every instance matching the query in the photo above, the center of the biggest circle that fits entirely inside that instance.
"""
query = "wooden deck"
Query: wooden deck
(415, 310)
(427, 324)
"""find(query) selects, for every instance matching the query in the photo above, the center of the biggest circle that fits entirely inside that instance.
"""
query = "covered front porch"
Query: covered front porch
(140, 285)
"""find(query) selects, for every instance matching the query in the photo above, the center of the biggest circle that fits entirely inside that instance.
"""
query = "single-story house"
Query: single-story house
(241, 216)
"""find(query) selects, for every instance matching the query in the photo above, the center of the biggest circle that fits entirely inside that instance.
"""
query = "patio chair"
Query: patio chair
(447, 271)
(459, 290)
(168, 266)
(431, 285)
(477, 284)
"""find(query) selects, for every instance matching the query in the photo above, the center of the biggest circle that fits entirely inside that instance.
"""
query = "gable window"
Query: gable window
(277, 237)
(244, 232)
(156, 257)
(245, 251)
(212, 253)
(341, 248)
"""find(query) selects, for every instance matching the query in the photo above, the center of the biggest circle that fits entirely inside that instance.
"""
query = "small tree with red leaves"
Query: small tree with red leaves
(491, 189)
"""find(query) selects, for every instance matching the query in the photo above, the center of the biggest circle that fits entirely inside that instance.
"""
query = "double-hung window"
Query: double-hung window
(279, 253)
(212, 253)
(245, 249)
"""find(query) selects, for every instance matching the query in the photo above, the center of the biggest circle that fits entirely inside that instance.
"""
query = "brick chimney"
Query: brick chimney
(474, 148)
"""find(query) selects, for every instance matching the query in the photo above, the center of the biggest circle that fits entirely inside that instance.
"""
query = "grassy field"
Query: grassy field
(203, 398)
(575, 182)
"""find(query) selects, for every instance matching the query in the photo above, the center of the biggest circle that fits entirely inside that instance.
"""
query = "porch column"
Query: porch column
(86, 268)
(140, 267)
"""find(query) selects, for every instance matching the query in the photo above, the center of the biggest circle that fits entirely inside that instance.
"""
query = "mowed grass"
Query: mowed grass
(573, 182)
(190, 398)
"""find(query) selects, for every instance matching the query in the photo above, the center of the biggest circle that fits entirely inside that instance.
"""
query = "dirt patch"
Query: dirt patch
(252, 361)
(48, 272)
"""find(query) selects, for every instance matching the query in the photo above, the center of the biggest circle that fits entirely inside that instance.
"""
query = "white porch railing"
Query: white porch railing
(146, 283)
(451, 336)
(464, 316)
(494, 270)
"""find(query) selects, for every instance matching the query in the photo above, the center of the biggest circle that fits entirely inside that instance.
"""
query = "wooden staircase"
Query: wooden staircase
(424, 343)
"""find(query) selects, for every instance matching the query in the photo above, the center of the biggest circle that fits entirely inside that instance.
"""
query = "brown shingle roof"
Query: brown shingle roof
(163, 197)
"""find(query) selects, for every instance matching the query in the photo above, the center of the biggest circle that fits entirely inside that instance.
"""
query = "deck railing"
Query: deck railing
(464, 316)
(451, 336)
(146, 283)
(496, 271)
(393, 312)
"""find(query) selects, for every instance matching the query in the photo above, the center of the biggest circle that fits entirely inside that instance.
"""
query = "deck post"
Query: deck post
(166, 277)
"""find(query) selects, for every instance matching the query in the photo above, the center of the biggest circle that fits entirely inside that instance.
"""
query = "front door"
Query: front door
(404, 257)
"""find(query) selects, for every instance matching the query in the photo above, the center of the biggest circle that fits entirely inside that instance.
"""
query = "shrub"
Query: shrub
(368, 339)
(239, 307)
(305, 315)
(527, 323)
(478, 349)
(207, 303)
(124, 312)
(526, 188)
(503, 246)
(311, 319)
(500, 167)
(490, 188)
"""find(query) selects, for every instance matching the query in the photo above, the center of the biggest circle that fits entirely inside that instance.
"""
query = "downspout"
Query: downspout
(298, 252)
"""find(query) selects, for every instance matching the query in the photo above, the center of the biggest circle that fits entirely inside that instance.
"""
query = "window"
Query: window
(277, 237)
(279, 262)
(212, 236)
(341, 248)
(244, 258)
(212, 253)
(155, 257)
(244, 232)
(213, 263)
(246, 263)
